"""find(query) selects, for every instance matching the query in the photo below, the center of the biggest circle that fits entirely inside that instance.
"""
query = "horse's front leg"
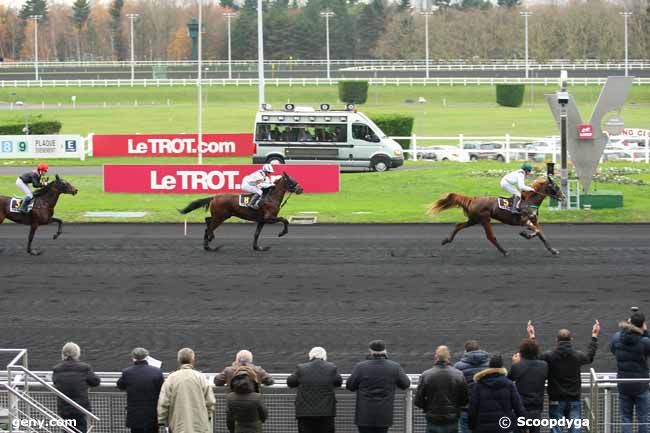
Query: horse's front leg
(32, 230)
(59, 227)
(285, 223)
(538, 233)
(258, 230)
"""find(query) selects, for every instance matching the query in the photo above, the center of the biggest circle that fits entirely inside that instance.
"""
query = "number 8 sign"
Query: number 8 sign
(7, 147)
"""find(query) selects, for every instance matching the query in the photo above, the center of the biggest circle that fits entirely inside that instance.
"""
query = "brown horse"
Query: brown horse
(481, 210)
(45, 200)
(224, 206)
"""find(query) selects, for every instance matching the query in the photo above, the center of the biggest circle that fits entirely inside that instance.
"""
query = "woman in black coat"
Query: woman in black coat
(493, 398)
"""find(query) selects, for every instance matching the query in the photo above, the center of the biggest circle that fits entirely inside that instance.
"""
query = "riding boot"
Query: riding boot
(24, 206)
(255, 202)
(515, 204)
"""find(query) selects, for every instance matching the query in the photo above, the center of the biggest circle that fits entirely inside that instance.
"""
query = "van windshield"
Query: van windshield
(328, 133)
(375, 129)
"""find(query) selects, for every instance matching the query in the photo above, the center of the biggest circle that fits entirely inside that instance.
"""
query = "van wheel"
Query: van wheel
(380, 163)
(473, 157)
(500, 158)
(275, 160)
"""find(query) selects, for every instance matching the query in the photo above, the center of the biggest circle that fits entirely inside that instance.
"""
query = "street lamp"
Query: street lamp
(199, 84)
(260, 54)
(132, 17)
(229, 15)
(426, 14)
(327, 15)
(36, 19)
(526, 14)
(626, 15)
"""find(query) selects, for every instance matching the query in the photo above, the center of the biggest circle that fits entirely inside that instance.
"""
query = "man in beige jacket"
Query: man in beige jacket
(186, 402)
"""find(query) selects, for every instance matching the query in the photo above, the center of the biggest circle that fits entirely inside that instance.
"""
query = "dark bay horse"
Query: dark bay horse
(481, 210)
(224, 206)
(45, 200)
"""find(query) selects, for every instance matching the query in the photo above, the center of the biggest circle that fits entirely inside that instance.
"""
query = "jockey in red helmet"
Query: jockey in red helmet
(33, 177)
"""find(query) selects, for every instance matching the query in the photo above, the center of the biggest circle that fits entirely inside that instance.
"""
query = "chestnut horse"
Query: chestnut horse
(45, 200)
(481, 210)
(224, 206)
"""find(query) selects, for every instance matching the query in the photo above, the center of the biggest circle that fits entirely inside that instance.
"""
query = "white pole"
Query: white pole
(426, 14)
(229, 15)
(131, 18)
(260, 54)
(625, 17)
(199, 85)
(36, 18)
(327, 16)
(526, 14)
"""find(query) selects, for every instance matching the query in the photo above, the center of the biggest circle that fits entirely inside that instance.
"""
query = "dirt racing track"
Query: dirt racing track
(113, 287)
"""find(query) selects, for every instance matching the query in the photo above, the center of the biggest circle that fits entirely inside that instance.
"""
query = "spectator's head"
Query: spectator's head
(471, 345)
(529, 349)
(186, 356)
(139, 354)
(377, 347)
(563, 335)
(637, 319)
(244, 357)
(496, 361)
(318, 353)
(442, 354)
(70, 351)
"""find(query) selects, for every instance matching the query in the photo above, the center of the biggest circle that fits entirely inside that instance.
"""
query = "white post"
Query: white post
(131, 18)
(199, 85)
(260, 54)
(229, 15)
(526, 14)
(426, 14)
(36, 19)
(507, 148)
(414, 147)
(647, 150)
(327, 16)
(626, 14)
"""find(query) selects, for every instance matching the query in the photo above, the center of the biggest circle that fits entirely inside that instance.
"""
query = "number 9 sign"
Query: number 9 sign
(22, 146)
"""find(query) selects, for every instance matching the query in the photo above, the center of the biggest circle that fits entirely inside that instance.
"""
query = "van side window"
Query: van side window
(263, 133)
(363, 132)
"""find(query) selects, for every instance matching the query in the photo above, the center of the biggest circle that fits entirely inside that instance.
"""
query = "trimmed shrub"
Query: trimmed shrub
(353, 92)
(35, 128)
(510, 95)
(395, 125)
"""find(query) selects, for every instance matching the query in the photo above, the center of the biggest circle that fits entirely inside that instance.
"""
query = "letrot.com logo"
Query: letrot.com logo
(506, 423)
(40, 424)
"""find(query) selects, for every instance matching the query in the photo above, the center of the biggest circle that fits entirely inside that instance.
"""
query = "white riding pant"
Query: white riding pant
(510, 188)
(24, 188)
(253, 189)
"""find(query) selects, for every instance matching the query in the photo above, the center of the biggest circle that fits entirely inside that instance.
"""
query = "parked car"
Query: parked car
(445, 153)
(491, 151)
(539, 150)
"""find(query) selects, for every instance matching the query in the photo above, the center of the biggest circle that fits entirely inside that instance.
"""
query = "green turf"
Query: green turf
(395, 196)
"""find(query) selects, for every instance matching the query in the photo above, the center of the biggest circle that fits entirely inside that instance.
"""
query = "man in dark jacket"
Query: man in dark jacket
(564, 382)
(473, 360)
(631, 346)
(315, 399)
(142, 384)
(494, 403)
(73, 378)
(375, 381)
(245, 409)
(243, 357)
(529, 375)
(442, 393)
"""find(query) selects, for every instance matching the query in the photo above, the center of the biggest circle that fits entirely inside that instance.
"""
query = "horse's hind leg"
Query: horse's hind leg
(59, 227)
(459, 227)
(208, 236)
(489, 234)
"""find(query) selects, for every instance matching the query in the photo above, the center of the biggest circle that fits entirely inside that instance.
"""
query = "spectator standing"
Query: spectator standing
(142, 384)
(442, 393)
(73, 378)
(315, 399)
(493, 398)
(473, 360)
(244, 357)
(374, 381)
(186, 402)
(564, 382)
(529, 375)
(631, 346)
(245, 410)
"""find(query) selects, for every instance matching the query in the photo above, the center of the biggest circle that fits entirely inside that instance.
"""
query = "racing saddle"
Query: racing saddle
(16, 202)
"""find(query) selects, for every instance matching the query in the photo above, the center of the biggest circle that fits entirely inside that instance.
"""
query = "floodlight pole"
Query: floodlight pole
(36, 19)
(327, 15)
(132, 17)
(228, 16)
(260, 54)
(426, 14)
(526, 14)
(626, 15)
(199, 85)
(564, 172)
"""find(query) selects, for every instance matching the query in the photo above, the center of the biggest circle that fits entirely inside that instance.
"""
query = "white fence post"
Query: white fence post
(414, 147)
(647, 151)
(507, 147)
(461, 141)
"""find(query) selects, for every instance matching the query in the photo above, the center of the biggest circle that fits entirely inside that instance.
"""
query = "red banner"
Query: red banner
(189, 179)
(173, 145)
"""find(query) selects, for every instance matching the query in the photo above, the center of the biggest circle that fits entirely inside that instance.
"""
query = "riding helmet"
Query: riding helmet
(526, 166)
(42, 166)
(268, 168)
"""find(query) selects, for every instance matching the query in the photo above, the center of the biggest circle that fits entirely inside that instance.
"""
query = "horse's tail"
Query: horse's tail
(202, 202)
(450, 200)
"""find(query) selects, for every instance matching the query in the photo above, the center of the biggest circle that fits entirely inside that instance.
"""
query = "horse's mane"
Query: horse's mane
(536, 185)
(41, 191)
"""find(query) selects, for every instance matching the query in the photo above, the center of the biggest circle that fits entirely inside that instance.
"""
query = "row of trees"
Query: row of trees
(465, 29)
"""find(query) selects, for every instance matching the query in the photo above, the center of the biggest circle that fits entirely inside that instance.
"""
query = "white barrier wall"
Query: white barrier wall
(41, 146)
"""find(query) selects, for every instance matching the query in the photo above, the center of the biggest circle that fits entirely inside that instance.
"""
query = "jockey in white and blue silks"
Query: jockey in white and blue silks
(515, 182)
(256, 182)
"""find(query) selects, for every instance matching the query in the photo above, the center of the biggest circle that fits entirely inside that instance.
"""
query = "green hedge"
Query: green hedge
(510, 95)
(396, 125)
(35, 128)
(353, 92)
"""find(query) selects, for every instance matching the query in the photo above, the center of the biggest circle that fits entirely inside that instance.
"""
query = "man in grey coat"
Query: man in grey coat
(375, 381)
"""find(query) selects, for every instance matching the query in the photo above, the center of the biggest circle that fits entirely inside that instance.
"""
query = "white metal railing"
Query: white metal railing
(294, 82)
